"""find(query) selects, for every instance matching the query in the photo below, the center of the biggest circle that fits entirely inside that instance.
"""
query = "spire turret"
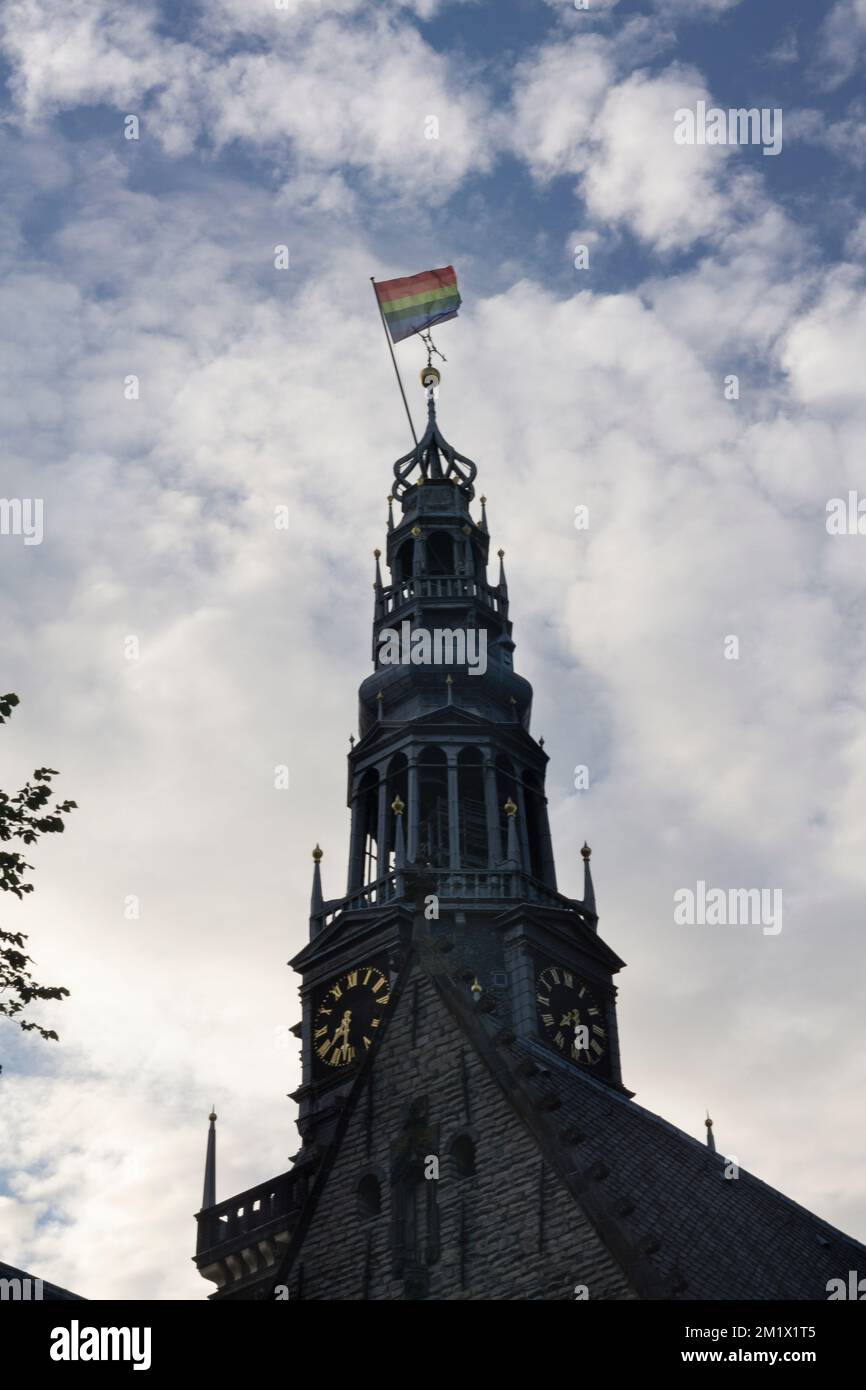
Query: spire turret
(317, 902)
(503, 583)
(433, 457)
(316, 899)
(588, 889)
(378, 607)
(209, 1194)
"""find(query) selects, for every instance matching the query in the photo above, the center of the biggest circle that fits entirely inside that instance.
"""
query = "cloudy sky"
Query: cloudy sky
(306, 126)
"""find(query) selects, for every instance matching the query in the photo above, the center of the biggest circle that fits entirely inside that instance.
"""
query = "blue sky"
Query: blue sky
(259, 388)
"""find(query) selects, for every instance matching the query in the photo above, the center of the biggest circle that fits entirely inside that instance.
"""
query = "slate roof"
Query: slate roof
(710, 1237)
(658, 1197)
(51, 1293)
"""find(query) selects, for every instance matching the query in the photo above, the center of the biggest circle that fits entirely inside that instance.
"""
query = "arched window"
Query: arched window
(440, 553)
(534, 804)
(473, 813)
(369, 1195)
(433, 808)
(402, 568)
(463, 1156)
(368, 809)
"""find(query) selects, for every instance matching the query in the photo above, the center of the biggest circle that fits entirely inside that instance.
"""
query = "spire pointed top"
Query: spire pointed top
(483, 525)
(317, 901)
(433, 457)
(208, 1198)
(503, 583)
(711, 1143)
(588, 889)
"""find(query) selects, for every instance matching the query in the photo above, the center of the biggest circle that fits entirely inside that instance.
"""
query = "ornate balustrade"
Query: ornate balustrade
(444, 586)
(464, 885)
(245, 1237)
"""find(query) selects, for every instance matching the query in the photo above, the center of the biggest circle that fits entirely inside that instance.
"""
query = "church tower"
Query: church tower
(465, 1131)
(448, 812)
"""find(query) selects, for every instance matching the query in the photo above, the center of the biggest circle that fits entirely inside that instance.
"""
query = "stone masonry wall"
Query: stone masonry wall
(511, 1250)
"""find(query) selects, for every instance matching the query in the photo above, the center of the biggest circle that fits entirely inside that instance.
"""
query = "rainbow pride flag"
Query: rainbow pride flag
(417, 302)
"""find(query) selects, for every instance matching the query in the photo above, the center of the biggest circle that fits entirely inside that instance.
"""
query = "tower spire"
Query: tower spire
(433, 457)
(317, 901)
(209, 1194)
(379, 610)
(588, 889)
(711, 1143)
(503, 583)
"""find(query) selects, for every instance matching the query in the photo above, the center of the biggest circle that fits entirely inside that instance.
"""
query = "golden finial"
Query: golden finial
(376, 554)
(389, 498)
(476, 989)
(509, 808)
(380, 696)
(449, 680)
(317, 853)
(585, 851)
(212, 1115)
(398, 806)
(416, 531)
(501, 554)
(484, 501)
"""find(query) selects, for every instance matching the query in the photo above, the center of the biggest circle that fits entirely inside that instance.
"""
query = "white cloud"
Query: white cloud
(319, 95)
(844, 138)
(576, 114)
(825, 348)
(668, 194)
(558, 94)
(841, 43)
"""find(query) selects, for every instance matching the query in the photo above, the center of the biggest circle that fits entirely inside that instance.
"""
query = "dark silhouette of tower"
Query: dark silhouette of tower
(465, 1131)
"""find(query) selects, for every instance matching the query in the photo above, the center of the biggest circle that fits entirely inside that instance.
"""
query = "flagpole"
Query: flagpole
(393, 358)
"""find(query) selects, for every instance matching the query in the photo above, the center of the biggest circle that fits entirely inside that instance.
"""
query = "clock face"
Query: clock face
(569, 1016)
(349, 1016)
